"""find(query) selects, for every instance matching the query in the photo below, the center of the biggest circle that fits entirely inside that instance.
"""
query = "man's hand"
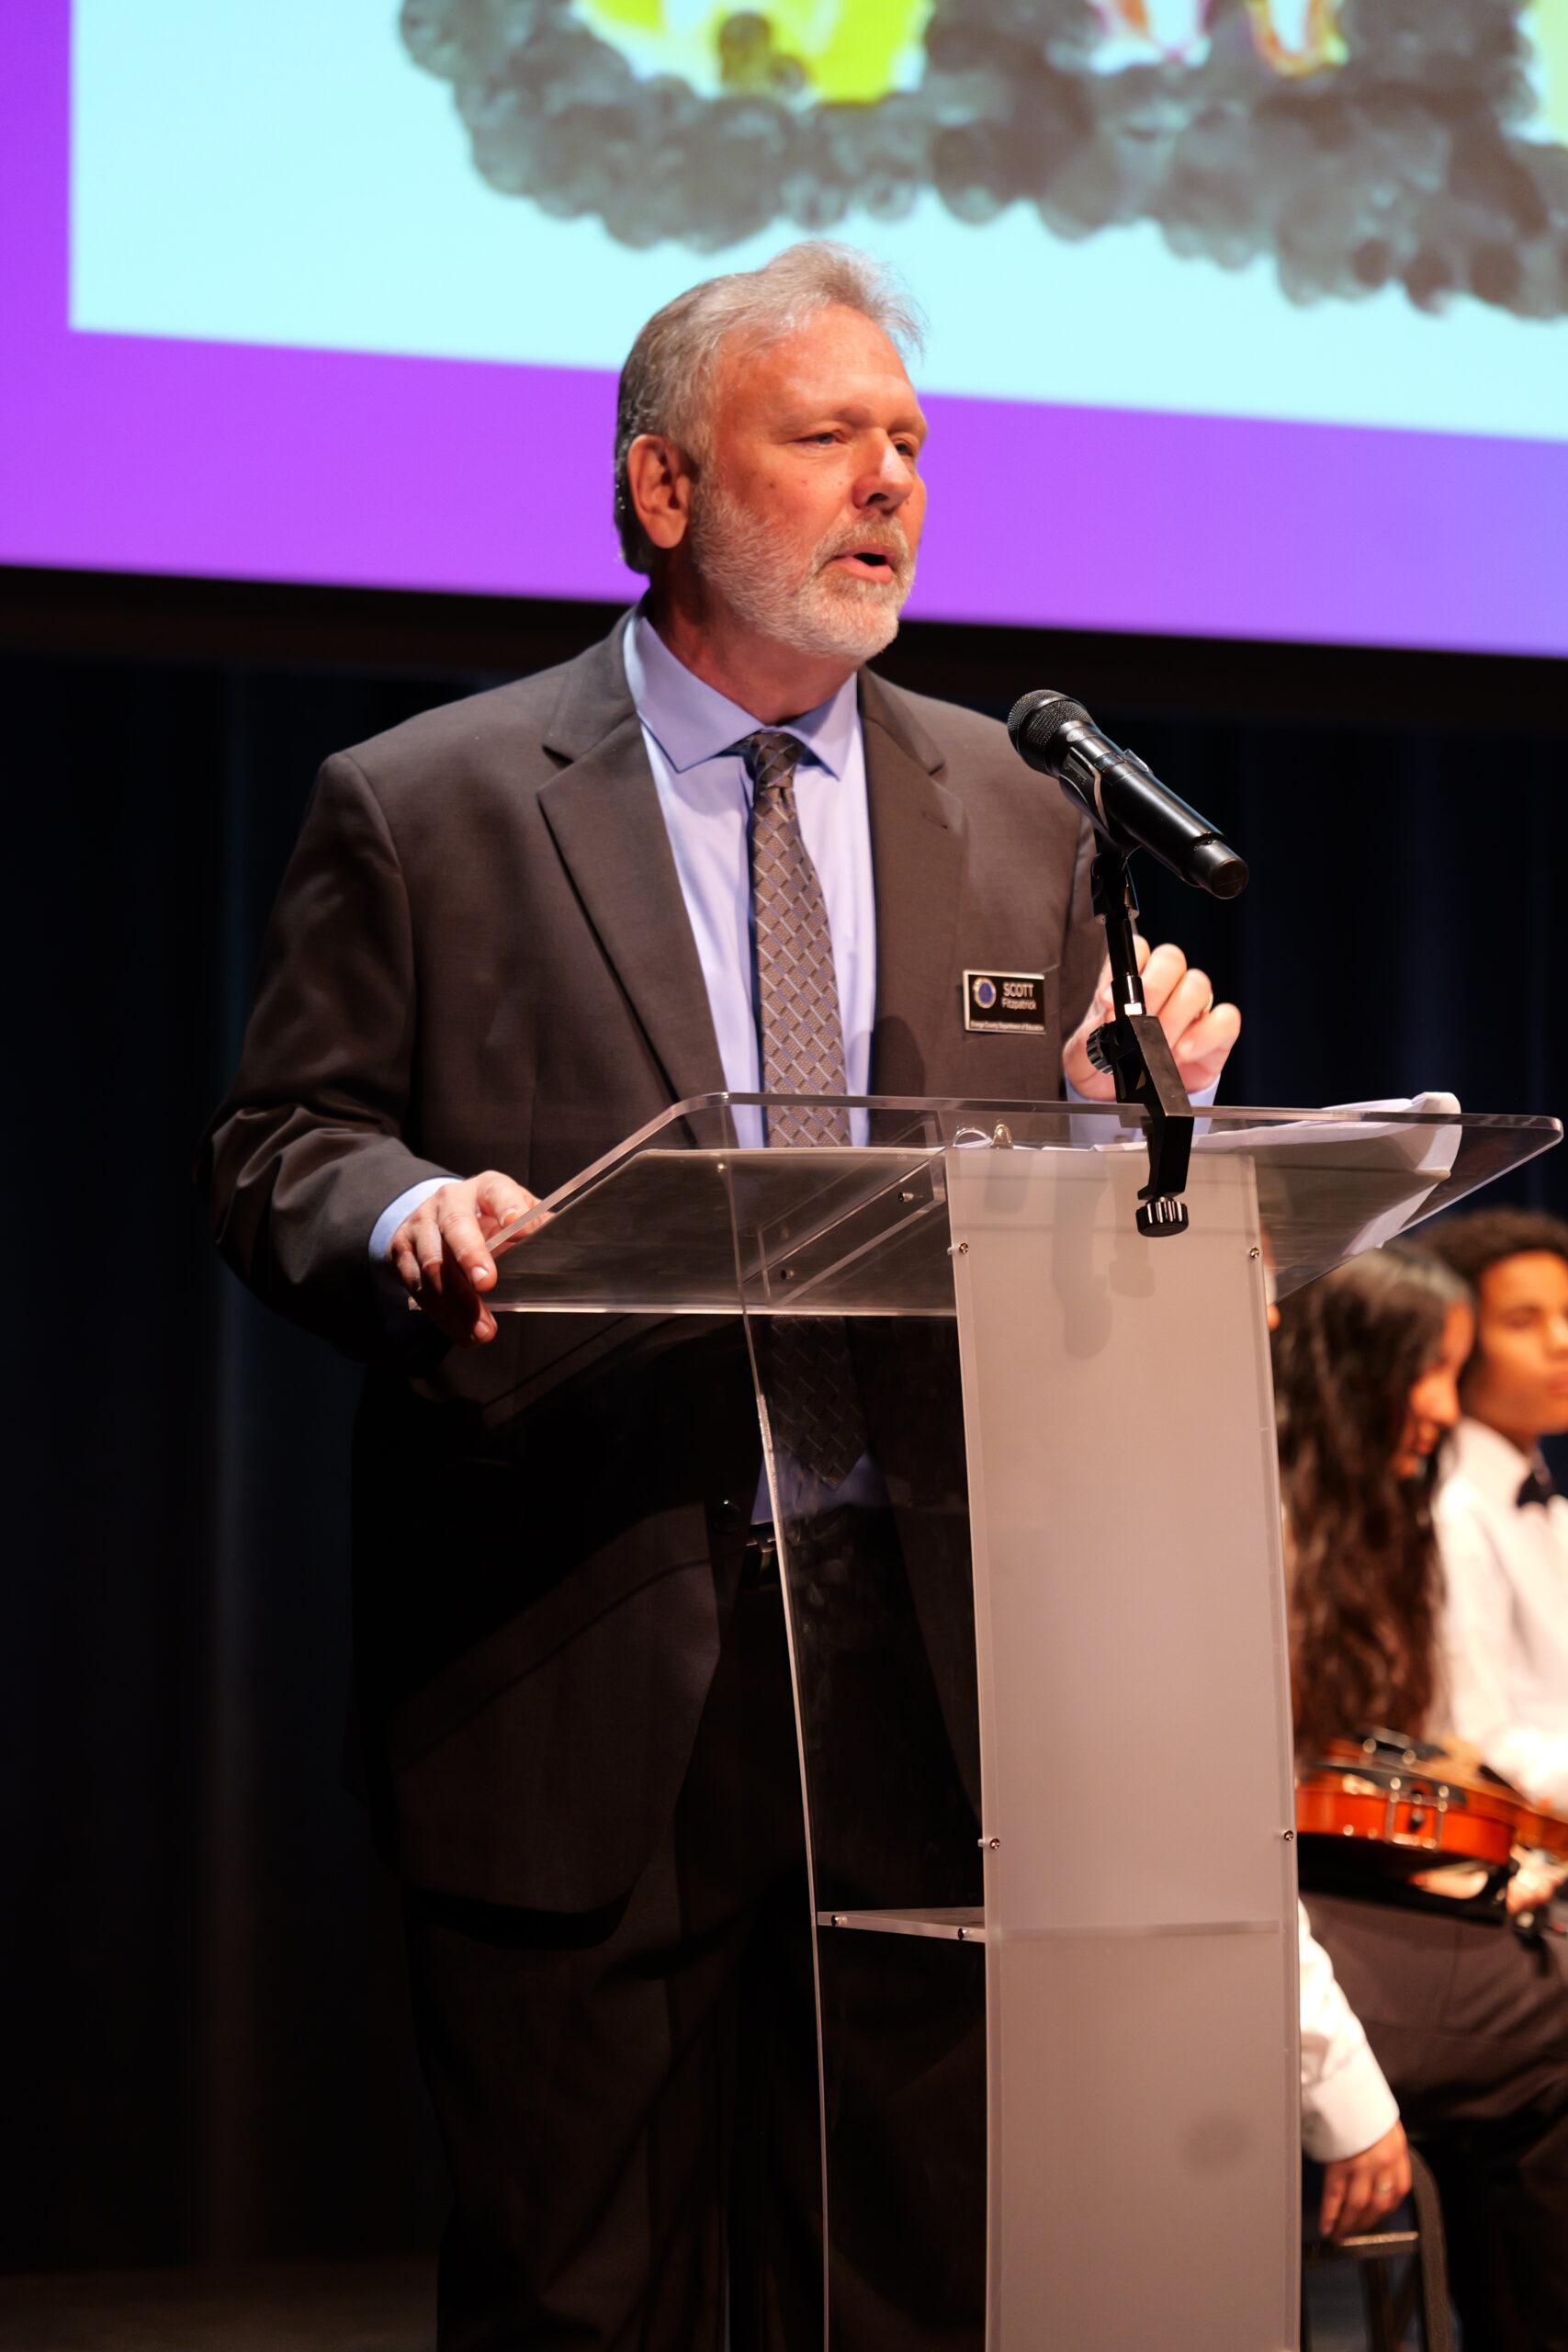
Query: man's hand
(1357, 2191)
(441, 1254)
(1202, 1033)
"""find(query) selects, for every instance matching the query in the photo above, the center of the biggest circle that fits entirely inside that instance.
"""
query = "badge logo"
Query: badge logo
(999, 1002)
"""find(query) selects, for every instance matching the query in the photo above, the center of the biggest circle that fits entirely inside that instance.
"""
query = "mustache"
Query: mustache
(887, 534)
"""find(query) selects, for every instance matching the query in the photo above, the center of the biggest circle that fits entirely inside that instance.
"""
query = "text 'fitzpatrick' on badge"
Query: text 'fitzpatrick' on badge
(1004, 1001)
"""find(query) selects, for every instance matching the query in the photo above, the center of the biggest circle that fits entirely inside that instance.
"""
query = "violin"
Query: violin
(1420, 1802)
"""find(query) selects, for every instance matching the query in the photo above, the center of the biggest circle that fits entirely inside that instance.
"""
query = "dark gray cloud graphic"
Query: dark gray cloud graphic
(1407, 163)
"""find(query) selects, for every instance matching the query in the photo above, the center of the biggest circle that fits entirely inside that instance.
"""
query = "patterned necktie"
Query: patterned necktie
(816, 1404)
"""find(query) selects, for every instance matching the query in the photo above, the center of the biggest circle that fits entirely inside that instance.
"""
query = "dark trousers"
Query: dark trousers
(1469, 2024)
(628, 2101)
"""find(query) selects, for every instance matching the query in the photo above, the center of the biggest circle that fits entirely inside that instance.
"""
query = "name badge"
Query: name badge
(1004, 1001)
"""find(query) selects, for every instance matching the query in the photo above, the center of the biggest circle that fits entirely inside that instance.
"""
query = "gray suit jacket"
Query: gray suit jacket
(480, 957)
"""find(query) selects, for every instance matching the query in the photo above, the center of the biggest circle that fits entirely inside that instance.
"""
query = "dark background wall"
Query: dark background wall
(205, 2048)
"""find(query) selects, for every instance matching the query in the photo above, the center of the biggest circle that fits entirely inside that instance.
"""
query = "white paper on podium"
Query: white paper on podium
(1392, 1169)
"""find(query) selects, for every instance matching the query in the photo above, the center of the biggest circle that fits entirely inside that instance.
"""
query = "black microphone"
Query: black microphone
(1120, 798)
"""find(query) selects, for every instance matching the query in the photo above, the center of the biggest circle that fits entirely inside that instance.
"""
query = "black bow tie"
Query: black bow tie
(1537, 1488)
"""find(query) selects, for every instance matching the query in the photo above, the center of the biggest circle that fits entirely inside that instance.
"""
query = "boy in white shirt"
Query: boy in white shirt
(1502, 1529)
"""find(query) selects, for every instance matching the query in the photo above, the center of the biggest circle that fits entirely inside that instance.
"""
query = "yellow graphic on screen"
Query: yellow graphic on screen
(846, 52)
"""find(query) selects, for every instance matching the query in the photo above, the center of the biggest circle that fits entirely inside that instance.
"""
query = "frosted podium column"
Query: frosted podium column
(1143, 2089)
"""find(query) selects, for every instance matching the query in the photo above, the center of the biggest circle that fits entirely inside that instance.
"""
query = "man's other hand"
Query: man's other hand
(1201, 1032)
(441, 1252)
(1360, 2191)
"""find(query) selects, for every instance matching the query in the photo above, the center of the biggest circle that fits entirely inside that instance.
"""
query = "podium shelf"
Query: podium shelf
(961, 1923)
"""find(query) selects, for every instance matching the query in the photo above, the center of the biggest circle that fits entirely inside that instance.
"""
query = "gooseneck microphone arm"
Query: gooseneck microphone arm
(1129, 809)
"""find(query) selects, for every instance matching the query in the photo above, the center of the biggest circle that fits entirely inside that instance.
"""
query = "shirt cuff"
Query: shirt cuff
(1202, 1100)
(1347, 2112)
(391, 1298)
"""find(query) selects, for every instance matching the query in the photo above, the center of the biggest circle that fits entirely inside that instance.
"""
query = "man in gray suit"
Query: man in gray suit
(712, 852)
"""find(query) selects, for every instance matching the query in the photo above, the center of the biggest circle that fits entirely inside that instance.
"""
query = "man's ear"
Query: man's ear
(659, 479)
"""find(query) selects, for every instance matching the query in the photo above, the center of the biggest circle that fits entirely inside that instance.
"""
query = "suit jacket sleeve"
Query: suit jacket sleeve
(309, 1146)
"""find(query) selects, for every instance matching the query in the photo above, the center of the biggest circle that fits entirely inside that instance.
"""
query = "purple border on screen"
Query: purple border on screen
(136, 454)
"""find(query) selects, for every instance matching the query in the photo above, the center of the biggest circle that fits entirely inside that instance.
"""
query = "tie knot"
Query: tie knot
(771, 757)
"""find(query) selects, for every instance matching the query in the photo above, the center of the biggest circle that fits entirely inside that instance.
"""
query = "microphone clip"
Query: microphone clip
(1134, 1050)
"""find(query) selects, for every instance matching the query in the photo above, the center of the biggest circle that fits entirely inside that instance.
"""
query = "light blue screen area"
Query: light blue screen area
(282, 171)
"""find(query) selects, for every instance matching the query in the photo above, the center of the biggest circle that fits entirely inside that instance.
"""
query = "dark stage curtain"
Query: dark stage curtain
(205, 2051)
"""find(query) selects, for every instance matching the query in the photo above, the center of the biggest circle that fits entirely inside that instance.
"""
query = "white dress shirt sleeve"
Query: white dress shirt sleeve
(1479, 1602)
(1346, 2105)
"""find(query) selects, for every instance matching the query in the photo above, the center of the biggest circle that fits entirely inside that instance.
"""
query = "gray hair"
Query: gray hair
(667, 383)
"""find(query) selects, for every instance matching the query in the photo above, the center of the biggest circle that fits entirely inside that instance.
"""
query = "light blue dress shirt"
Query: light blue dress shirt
(690, 731)
(705, 793)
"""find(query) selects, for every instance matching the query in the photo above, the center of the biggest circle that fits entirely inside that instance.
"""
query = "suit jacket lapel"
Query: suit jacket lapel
(602, 810)
(918, 854)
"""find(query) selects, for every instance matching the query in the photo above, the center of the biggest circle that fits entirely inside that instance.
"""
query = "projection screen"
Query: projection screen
(1247, 317)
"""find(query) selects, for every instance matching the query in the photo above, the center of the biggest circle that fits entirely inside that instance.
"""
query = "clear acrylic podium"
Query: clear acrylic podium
(1041, 1691)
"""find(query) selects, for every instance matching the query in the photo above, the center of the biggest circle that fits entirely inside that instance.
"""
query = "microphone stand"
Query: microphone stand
(1133, 1048)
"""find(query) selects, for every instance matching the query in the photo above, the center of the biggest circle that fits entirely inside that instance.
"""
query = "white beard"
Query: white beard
(806, 607)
